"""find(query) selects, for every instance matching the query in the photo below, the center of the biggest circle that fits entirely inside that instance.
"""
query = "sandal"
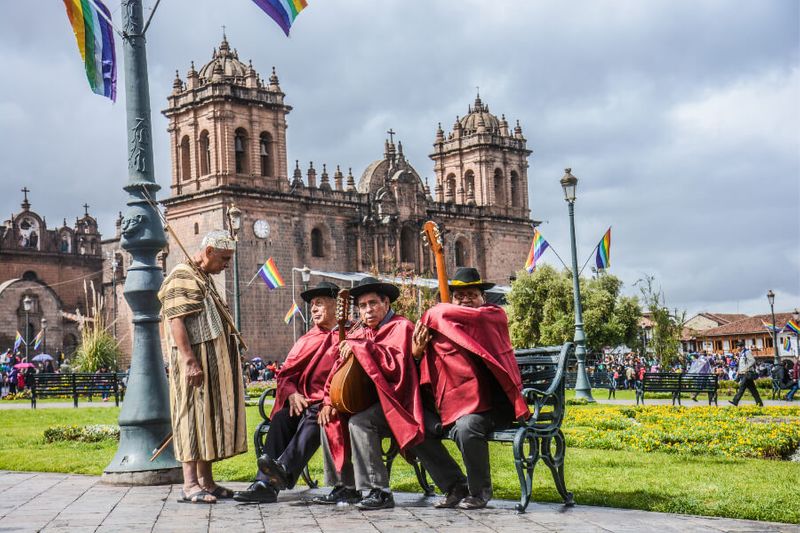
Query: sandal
(221, 493)
(196, 497)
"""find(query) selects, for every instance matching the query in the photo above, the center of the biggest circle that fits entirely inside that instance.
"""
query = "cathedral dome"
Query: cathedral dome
(225, 62)
(479, 113)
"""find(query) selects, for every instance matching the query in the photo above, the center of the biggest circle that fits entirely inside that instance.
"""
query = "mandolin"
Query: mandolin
(351, 390)
(433, 237)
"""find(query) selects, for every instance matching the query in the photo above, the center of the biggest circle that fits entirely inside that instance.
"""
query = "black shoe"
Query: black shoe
(339, 494)
(453, 497)
(733, 404)
(472, 502)
(376, 499)
(258, 492)
(277, 474)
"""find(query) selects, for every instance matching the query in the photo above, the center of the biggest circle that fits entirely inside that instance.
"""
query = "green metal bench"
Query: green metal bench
(678, 384)
(76, 385)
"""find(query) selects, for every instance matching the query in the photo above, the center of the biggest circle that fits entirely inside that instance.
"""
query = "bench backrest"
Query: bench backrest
(661, 381)
(698, 382)
(543, 372)
(80, 383)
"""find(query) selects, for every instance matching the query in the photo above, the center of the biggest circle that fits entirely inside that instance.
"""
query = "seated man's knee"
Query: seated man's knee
(470, 426)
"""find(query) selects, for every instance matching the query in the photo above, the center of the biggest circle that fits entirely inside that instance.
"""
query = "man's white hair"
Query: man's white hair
(219, 240)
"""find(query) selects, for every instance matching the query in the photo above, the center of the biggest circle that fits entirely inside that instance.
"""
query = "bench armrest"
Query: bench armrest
(268, 392)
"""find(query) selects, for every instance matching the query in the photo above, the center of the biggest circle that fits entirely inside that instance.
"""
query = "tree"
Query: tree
(541, 310)
(667, 327)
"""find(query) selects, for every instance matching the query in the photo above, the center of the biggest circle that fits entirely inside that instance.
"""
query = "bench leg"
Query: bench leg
(556, 464)
(312, 483)
(259, 438)
(525, 464)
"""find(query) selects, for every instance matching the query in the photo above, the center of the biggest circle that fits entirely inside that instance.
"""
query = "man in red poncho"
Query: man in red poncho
(468, 362)
(382, 346)
(294, 434)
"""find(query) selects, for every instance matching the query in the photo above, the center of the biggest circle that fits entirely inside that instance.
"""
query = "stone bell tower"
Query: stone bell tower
(227, 127)
(482, 162)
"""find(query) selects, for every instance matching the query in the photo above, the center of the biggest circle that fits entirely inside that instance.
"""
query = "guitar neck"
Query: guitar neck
(441, 275)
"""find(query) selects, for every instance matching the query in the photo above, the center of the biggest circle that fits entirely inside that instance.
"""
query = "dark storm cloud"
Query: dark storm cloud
(679, 118)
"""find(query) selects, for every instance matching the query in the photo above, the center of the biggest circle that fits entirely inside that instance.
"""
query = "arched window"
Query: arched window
(240, 147)
(451, 188)
(516, 194)
(30, 275)
(186, 162)
(462, 253)
(265, 154)
(408, 245)
(469, 182)
(317, 243)
(499, 188)
(205, 154)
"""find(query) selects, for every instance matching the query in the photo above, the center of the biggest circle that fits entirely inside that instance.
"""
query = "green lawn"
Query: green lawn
(667, 482)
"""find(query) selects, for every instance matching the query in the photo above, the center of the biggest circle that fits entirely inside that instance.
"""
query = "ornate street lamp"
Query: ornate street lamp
(305, 275)
(234, 225)
(771, 299)
(114, 266)
(27, 304)
(582, 388)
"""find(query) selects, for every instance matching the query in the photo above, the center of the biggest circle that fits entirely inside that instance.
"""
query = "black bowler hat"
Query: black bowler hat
(468, 277)
(323, 288)
(370, 284)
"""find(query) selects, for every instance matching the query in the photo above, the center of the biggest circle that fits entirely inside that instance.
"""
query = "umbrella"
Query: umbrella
(24, 365)
(42, 357)
(256, 359)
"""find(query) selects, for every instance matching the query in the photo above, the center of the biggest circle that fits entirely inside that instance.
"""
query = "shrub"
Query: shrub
(98, 347)
(93, 433)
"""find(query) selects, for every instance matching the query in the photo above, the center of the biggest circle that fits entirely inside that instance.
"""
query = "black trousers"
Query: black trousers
(747, 383)
(292, 441)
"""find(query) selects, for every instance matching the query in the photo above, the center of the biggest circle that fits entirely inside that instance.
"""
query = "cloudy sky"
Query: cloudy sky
(680, 118)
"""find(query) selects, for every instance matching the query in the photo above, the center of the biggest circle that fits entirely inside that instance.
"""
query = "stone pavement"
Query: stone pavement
(32, 501)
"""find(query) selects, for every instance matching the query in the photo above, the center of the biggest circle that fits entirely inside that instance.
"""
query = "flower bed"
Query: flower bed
(256, 388)
(744, 432)
(92, 433)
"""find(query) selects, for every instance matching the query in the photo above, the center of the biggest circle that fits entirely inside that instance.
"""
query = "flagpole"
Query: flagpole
(559, 257)
(590, 258)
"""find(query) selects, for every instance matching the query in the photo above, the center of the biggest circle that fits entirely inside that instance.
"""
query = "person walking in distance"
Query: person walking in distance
(746, 370)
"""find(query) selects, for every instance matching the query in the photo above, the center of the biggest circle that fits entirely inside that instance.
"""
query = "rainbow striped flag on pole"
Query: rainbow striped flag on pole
(269, 273)
(292, 312)
(792, 326)
(772, 328)
(91, 22)
(37, 341)
(18, 341)
(787, 344)
(538, 246)
(603, 257)
(282, 11)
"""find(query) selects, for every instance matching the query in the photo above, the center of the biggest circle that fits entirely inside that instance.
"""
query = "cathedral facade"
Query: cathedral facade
(227, 128)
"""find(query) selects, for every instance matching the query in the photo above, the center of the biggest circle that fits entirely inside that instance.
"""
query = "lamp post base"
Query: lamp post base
(171, 476)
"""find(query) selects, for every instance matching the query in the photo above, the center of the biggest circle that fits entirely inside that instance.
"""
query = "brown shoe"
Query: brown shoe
(472, 502)
(453, 497)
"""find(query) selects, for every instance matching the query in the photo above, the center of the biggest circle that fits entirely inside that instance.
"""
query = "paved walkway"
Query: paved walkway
(76, 504)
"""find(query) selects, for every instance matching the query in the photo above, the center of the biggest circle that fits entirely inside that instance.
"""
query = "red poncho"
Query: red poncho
(307, 367)
(385, 355)
(462, 339)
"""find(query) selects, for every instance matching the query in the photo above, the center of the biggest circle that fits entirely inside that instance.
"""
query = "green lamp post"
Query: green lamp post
(582, 388)
(771, 300)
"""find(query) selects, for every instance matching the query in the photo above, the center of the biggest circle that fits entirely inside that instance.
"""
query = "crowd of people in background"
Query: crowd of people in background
(258, 370)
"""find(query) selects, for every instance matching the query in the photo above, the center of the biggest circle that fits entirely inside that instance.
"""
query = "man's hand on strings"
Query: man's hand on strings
(420, 339)
(345, 350)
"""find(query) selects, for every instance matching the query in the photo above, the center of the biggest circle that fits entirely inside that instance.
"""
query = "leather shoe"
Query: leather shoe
(258, 492)
(472, 502)
(339, 494)
(453, 497)
(376, 499)
(275, 471)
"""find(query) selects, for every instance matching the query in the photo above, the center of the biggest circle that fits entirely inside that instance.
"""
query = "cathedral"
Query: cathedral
(42, 275)
(227, 127)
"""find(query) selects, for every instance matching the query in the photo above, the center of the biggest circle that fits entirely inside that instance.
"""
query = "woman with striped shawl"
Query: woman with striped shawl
(205, 380)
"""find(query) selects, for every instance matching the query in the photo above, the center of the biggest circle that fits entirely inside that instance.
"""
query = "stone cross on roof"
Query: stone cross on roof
(86, 209)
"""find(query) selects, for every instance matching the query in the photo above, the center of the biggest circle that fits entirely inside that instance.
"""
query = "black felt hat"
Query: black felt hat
(323, 288)
(467, 277)
(370, 284)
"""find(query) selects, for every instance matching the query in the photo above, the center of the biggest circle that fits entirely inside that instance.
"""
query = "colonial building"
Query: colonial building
(48, 267)
(227, 128)
(750, 329)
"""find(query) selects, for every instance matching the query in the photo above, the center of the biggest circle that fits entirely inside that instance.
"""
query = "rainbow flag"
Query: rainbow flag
(292, 311)
(538, 246)
(787, 344)
(18, 341)
(769, 326)
(269, 273)
(37, 341)
(95, 38)
(603, 257)
(282, 11)
(792, 326)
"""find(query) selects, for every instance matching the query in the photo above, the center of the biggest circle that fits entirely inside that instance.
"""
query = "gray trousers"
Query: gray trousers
(365, 468)
(469, 433)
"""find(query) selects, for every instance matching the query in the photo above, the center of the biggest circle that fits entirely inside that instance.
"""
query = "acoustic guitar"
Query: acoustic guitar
(432, 236)
(352, 390)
